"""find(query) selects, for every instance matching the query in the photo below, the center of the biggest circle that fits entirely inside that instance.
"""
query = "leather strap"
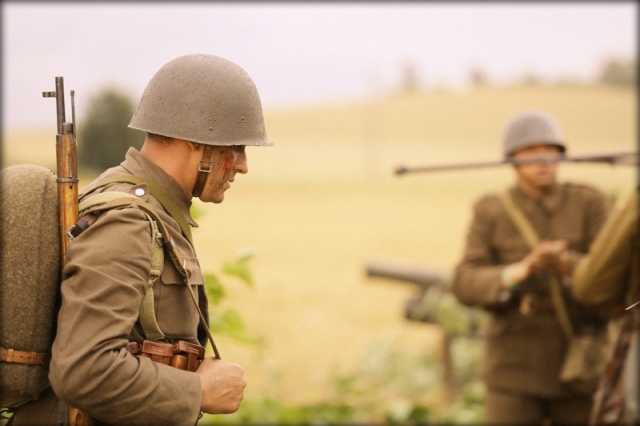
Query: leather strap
(206, 165)
(181, 354)
(23, 357)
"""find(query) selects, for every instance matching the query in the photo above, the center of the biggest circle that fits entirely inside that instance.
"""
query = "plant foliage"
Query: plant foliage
(104, 137)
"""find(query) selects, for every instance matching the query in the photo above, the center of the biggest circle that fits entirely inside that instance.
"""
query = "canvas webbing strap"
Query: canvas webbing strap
(114, 199)
(160, 194)
(532, 239)
(147, 309)
(105, 201)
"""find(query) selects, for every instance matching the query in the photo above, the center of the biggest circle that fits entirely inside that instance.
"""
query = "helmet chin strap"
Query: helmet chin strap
(205, 167)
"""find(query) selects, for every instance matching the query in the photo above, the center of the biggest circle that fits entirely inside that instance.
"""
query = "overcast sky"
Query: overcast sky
(300, 52)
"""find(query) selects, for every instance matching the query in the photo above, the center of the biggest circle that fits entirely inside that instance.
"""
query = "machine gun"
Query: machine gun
(623, 159)
(433, 304)
(422, 277)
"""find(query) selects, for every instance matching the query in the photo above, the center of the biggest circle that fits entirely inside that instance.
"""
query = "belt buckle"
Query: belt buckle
(527, 304)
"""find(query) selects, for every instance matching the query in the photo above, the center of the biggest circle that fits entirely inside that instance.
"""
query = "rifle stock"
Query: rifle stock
(624, 159)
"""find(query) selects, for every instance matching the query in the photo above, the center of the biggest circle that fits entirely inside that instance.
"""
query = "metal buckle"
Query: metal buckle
(527, 304)
(205, 166)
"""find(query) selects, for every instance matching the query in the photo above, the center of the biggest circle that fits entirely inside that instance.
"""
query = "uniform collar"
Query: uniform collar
(139, 165)
(550, 200)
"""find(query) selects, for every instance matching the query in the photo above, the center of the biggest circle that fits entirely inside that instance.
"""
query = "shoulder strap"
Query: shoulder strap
(531, 237)
(160, 194)
(114, 199)
(162, 238)
(520, 220)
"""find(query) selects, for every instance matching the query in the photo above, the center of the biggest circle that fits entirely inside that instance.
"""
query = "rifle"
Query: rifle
(608, 402)
(66, 166)
(624, 158)
(67, 180)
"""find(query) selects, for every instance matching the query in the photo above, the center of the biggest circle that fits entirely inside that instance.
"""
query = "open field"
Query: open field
(324, 201)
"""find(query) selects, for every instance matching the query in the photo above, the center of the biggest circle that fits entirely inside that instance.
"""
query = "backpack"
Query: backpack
(29, 280)
(30, 274)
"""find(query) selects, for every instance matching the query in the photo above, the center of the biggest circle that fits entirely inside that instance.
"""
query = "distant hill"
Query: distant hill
(367, 138)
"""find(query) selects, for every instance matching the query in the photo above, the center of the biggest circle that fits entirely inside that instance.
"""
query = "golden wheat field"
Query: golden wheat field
(324, 201)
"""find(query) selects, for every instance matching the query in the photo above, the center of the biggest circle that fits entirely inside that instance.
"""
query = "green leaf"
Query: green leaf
(239, 268)
(214, 288)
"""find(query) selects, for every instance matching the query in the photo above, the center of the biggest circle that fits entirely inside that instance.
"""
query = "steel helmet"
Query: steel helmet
(530, 128)
(205, 99)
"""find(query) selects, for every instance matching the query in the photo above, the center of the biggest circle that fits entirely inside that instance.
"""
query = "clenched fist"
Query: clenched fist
(222, 385)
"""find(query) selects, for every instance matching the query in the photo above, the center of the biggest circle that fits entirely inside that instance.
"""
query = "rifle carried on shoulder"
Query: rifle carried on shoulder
(624, 159)
(66, 166)
(67, 184)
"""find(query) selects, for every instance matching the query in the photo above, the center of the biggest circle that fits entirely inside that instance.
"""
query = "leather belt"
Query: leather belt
(181, 355)
(23, 357)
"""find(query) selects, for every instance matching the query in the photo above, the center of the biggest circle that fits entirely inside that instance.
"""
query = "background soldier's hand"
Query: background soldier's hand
(222, 385)
(553, 255)
(547, 254)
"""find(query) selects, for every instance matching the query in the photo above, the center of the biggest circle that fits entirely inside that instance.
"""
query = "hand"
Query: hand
(553, 255)
(547, 254)
(222, 385)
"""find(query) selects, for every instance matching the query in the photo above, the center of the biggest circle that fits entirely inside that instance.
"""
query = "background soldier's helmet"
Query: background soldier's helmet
(204, 99)
(531, 128)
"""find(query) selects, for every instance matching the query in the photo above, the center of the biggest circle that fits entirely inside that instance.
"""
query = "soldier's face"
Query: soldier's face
(537, 175)
(227, 162)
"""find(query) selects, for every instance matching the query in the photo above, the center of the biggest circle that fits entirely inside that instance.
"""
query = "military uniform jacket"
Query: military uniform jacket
(523, 353)
(104, 280)
(610, 274)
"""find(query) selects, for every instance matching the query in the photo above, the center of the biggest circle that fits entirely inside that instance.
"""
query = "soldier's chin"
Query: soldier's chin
(217, 199)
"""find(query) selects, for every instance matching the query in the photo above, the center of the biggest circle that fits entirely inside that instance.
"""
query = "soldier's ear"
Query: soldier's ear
(194, 146)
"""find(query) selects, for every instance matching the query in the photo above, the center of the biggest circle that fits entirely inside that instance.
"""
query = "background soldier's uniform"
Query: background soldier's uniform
(524, 352)
(104, 281)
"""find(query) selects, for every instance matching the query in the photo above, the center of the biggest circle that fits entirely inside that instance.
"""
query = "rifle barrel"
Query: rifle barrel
(624, 159)
(421, 276)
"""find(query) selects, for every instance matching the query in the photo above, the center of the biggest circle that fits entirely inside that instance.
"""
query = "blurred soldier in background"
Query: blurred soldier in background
(610, 276)
(499, 271)
(199, 112)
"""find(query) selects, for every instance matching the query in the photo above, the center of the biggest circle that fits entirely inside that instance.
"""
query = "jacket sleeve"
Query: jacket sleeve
(104, 278)
(595, 211)
(602, 275)
(477, 280)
